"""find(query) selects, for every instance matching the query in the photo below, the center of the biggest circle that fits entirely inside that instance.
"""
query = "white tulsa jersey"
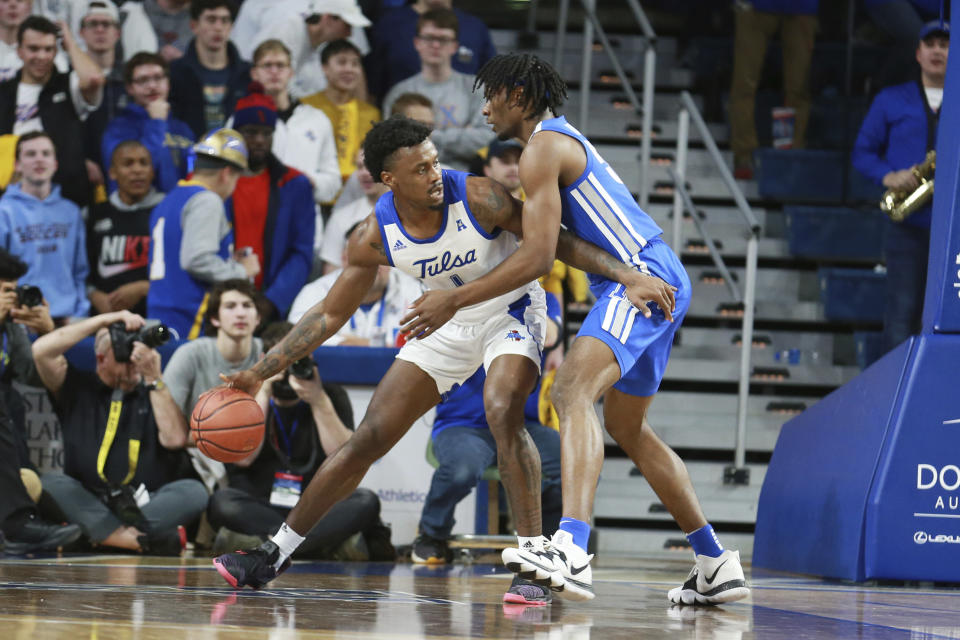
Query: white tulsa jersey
(459, 253)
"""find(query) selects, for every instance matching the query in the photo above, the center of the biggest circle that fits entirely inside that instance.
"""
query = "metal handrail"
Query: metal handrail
(687, 101)
(649, 72)
(718, 261)
(688, 112)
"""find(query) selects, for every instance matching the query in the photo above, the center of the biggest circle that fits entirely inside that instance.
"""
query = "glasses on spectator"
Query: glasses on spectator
(145, 80)
(99, 24)
(440, 40)
(273, 66)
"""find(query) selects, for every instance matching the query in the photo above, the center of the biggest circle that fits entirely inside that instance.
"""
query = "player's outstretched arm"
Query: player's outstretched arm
(539, 226)
(365, 254)
(640, 288)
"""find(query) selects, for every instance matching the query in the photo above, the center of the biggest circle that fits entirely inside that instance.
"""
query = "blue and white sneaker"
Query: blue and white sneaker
(712, 581)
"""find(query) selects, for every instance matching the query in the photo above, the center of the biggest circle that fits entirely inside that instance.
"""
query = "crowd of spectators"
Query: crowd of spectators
(199, 162)
(179, 160)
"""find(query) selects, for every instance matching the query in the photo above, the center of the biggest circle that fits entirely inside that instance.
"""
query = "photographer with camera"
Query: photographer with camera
(21, 308)
(306, 421)
(246, 507)
(123, 435)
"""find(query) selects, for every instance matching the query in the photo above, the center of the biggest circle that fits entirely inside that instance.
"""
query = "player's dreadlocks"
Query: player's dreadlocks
(386, 137)
(543, 88)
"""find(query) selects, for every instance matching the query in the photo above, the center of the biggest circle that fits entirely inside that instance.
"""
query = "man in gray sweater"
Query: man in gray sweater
(460, 126)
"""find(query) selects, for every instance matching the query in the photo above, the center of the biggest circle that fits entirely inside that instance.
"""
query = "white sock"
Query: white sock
(530, 544)
(287, 540)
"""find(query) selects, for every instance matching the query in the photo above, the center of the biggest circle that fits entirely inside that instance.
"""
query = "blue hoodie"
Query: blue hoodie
(168, 141)
(48, 235)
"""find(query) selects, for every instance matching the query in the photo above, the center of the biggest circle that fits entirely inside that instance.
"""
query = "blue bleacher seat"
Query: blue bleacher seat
(835, 232)
(800, 175)
(855, 295)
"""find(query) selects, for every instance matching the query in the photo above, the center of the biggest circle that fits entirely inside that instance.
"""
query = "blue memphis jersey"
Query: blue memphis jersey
(464, 406)
(175, 297)
(461, 251)
(598, 207)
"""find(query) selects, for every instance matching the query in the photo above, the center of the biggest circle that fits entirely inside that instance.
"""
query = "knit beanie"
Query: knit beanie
(255, 108)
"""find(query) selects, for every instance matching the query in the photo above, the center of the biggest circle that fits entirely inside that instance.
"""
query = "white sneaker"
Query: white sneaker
(712, 581)
(574, 571)
(560, 565)
(534, 563)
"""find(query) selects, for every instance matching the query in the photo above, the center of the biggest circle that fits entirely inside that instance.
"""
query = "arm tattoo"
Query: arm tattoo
(493, 204)
(376, 246)
(307, 335)
(495, 199)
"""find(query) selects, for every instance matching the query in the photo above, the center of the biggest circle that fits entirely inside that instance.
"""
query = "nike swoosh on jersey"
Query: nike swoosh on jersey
(714, 576)
(109, 270)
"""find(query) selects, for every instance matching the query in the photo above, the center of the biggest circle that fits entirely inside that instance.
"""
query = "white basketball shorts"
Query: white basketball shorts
(456, 350)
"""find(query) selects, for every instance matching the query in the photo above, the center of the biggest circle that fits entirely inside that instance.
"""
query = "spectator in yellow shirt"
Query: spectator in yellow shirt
(351, 117)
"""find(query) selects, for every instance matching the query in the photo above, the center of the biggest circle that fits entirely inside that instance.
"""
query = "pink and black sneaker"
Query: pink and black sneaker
(251, 568)
(524, 592)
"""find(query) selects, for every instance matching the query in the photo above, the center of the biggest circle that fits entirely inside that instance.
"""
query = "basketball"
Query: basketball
(227, 424)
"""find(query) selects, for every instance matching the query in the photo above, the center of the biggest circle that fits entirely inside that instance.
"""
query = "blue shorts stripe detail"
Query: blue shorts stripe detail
(518, 308)
(641, 345)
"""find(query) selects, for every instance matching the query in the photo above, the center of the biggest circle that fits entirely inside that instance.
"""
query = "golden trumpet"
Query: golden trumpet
(898, 204)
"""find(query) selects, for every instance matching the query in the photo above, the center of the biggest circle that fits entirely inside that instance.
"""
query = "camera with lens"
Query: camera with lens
(152, 334)
(29, 296)
(123, 504)
(302, 368)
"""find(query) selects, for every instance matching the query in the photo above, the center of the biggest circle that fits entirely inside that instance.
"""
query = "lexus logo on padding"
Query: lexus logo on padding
(922, 537)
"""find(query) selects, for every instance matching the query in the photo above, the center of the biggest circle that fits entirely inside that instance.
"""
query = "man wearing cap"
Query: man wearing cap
(131, 21)
(502, 164)
(323, 21)
(897, 132)
(272, 209)
(147, 119)
(191, 240)
(207, 81)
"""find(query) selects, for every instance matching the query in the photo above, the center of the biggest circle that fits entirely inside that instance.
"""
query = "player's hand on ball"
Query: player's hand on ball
(245, 380)
(429, 312)
(642, 289)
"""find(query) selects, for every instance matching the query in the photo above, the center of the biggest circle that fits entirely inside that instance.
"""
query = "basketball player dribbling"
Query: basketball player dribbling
(446, 228)
(616, 355)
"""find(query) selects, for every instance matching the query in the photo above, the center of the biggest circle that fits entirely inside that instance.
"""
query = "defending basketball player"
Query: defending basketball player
(618, 354)
(445, 228)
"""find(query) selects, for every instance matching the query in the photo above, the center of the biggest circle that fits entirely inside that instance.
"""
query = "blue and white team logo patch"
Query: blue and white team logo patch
(515, 335)
(460, 225)
(399, 245)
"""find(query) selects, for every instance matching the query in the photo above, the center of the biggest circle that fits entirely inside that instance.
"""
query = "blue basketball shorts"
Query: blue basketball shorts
(641, 345)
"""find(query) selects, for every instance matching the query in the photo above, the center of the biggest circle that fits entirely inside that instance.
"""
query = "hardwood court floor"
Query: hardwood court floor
(141, 598)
